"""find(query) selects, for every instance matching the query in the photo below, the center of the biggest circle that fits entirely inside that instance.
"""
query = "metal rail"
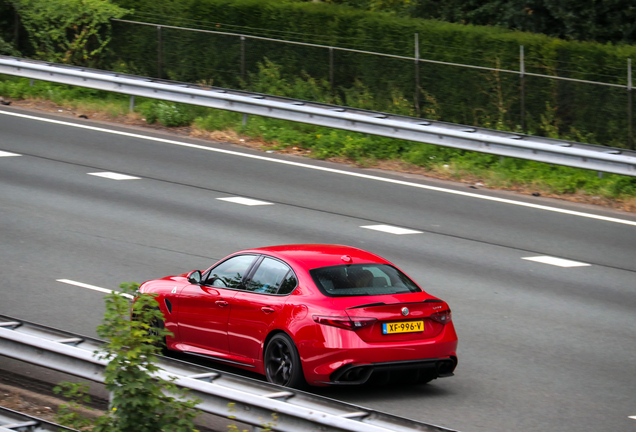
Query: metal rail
(508, 144)
(13, 421)
(254, 401)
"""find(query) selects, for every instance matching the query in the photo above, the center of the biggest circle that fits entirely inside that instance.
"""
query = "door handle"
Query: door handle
(268, 309)
(221, 303)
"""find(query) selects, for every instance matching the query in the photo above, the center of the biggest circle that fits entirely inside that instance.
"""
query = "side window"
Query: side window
(288, 284)
(269, 277)
(229, 273)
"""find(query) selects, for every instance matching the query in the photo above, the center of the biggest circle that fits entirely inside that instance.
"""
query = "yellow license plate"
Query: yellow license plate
(402, 327)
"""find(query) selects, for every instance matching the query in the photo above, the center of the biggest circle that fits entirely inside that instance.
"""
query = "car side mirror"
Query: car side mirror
(195, 277)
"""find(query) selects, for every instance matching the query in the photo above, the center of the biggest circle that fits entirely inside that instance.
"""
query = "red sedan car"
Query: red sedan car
(317, 314)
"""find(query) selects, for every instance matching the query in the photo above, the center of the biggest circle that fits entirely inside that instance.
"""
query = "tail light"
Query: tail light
(443, 317)
(344, 322)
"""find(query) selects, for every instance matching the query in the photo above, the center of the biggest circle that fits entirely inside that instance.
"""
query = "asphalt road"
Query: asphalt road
(542, 347)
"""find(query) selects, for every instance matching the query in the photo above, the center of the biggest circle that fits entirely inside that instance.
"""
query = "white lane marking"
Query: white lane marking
(91, 287)
(244, 201)
(391, 229)
(556, 261)
(114, 176)
(632, 417)
(331, 170)
(7, 154)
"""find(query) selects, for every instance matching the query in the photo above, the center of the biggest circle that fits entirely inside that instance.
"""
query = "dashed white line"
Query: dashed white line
(244, 201)
(632, 417)
(8, 154)
(391, 229)
(331, 170)
(560, 262)
(91, 287)
(114, 176)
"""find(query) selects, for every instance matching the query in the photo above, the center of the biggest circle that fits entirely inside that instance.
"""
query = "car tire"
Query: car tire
(282, 362)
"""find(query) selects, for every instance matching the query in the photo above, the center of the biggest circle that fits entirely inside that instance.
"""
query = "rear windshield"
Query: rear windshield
(362, 280)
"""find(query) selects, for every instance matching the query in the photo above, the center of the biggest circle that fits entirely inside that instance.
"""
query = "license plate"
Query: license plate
(402, 327)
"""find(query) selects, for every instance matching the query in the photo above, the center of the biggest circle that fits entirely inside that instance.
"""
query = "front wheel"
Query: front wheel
(282, 362)
(156, 327)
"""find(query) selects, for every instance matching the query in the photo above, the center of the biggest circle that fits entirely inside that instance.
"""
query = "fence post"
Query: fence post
(16, 29)
(630, 135)
(522, 66)
(159, 52)
(417, 74)
(331, 70)
(243, 58)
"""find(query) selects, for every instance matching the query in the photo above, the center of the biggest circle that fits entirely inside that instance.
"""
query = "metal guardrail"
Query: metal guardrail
(254, 401)
(508, 144)
(13, 421)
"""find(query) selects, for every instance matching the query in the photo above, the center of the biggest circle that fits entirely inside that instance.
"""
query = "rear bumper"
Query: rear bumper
(343, 358)
(415, 370)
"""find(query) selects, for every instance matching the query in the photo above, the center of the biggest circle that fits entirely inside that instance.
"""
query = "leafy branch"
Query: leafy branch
(140, 400)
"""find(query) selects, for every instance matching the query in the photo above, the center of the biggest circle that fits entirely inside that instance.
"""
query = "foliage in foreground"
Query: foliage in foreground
(365, 150)
(140, 401)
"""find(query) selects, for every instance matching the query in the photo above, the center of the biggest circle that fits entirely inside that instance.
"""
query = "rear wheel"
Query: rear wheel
(282, 362)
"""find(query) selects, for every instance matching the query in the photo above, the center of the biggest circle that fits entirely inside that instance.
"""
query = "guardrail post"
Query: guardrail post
(244, 119)
(131, 107)
(522, 76)
(417, 74)
(630, 116)
(159, 52)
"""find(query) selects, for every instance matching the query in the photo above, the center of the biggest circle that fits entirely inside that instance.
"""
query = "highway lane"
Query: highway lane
(540, 346)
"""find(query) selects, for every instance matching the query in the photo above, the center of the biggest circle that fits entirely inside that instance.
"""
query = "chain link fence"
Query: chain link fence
(520, 93)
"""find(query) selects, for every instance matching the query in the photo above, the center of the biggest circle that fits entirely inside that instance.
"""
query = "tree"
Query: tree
(69, 31)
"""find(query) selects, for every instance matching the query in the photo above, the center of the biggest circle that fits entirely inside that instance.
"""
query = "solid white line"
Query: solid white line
(331, 170)
(91, 287)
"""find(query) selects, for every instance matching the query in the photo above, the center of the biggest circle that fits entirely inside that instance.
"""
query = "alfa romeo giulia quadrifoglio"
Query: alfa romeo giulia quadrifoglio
(316, 314)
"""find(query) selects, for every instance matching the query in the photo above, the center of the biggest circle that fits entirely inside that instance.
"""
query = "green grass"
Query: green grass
(324, 143)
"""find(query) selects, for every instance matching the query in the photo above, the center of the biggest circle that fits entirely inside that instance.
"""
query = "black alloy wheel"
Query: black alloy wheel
(282, 362)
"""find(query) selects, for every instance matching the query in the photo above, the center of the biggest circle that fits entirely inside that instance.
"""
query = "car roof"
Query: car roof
(311, 256)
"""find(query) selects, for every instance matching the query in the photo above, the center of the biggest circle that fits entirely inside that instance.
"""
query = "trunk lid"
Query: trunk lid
(392, 324)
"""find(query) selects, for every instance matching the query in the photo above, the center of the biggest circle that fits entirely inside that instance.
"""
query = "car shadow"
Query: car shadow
(371, 391)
